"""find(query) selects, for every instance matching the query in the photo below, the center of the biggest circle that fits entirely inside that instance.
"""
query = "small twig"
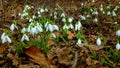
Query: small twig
(75, 60)
(61, 9)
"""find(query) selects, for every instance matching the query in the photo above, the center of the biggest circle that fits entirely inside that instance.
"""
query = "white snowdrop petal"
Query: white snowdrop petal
(23, 30)
(118, 46)
(26, 37)
(98, 42)
(8, 39)
(2, 36)
(55, 27)
(33, 31)
(70, 19)
(118, 33)
(12, 27)
(4, 39)
(63, 20)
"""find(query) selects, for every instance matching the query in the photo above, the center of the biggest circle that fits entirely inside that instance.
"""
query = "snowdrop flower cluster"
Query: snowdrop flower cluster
(41, 10)
(50, 27)
(25, 37)
(118, 46)
(35, 28)
(70, 26)
(12, 27)
(98, 42)
(82, 17)
(25, 11)
(5, 38)
(78, 25)
(118, 33)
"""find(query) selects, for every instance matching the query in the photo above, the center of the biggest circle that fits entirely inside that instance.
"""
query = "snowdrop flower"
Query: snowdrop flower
(42, 10)
(62, 15)
(23, 30)
(33, 16)
(39, 29)
(115, 22)
(108, 13)
(71, 26)
(49, 28)
(12, 27)
(88, 16)
(46, 9)
(118, 46)
(78, 25)
(82, 4)
(118, 33)
(79, 42)
(93, 0)
(95, 13)
(113, 13)
(53, 35)
(63, 20)
(30, 20)
(95, 20)
(55, 27)
(82, 17)
(46, 24)
(98, 42)
(5, 38)
(55, 17)
(116, 8)
(65, 27)
(70, 19)
(25, 37)
(3, 35)
(103, 12)
(33, 30)
(101, 7)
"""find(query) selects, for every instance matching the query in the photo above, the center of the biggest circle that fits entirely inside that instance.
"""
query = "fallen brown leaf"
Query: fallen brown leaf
(36, 56)
(70, 35)
(51, 42)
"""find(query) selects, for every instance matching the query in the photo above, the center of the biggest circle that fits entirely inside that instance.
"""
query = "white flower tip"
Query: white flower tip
(118, 46)
(98, 42)
(118, 33)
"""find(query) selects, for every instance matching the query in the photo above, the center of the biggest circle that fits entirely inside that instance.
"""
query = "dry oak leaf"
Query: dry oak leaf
(37, 56)
(51, 42)
(70, 35)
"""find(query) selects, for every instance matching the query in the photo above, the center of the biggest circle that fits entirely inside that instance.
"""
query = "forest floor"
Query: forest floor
(66, 53)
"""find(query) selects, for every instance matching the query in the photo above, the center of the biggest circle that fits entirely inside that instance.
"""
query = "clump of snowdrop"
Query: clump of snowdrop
(78, 26)
(82, 17)
(13, 26)
(118, 33)
(41, 10)
(5, 38)
(25, 13)
(118, 46)
(25, 37)
(98, 42)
